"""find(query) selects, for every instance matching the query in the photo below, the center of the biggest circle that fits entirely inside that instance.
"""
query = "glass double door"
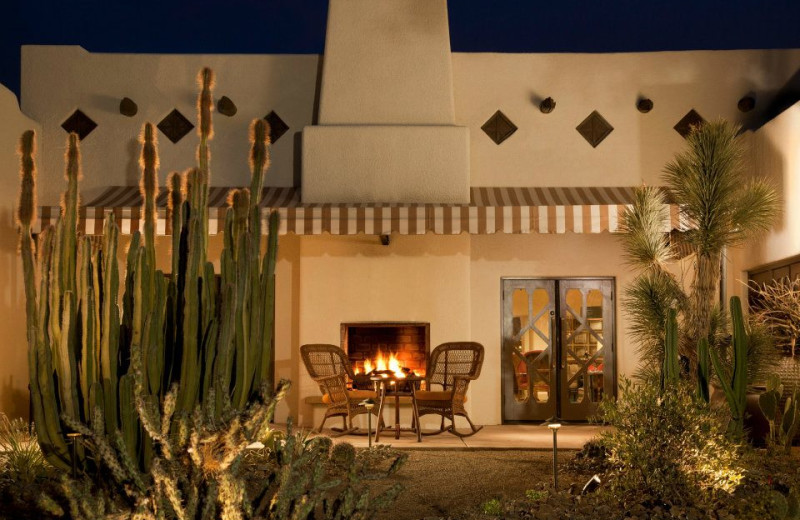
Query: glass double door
(558, 347)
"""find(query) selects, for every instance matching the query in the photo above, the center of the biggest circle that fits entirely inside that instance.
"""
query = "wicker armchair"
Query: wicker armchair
(452, 366)
(330, 369)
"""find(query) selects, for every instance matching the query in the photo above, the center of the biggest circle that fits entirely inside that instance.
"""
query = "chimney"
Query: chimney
(386, 129)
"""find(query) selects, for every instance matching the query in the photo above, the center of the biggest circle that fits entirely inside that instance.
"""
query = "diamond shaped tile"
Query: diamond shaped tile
(79, 123)
(691, 119)
(276, 126)
(499, 127)
(175, 126)
(594, 128)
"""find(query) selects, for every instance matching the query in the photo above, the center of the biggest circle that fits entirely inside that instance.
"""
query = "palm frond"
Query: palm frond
(646, 302)
(754, 211)
(644, 239)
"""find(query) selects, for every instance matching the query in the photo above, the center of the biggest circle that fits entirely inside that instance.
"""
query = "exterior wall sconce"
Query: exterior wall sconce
(128, 107)
(547, 105)
(747, 103)
(385, 240)
(226, 107)
(644, 105)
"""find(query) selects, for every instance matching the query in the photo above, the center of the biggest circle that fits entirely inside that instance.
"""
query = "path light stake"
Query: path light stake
(369, 404)
(555, 427)
(73, 452)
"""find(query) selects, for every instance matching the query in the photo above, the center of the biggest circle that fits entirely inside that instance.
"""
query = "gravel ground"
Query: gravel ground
(439, 483)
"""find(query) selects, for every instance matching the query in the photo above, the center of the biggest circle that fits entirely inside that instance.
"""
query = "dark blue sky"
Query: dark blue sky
(298, 26)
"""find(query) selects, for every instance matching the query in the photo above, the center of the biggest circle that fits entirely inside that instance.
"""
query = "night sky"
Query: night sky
(298, 26)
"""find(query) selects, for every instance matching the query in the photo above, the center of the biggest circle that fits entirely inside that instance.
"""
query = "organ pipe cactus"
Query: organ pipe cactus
(735, 384)
(208, 336)
(670, 371)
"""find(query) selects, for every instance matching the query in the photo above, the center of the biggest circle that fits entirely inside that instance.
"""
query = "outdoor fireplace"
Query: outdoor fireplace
(375, 346)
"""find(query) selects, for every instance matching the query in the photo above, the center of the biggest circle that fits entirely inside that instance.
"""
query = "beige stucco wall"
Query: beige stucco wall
(14, 347)
(775, 154)
(396, 164)
(58, 79)
(546, 150)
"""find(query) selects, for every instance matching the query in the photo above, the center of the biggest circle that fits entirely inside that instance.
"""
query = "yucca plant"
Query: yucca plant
(723, 207)
(212, 335)
(722, 204)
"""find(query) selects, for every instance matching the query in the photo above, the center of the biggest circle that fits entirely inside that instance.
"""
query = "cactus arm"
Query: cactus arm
(670, 373)
(703, 370)
(110, 337)
(727, 388)
(87, 369)
(740, 347)
(790, 422)
(149, 187)
(69, 213)
(270, 260)
(735, 385)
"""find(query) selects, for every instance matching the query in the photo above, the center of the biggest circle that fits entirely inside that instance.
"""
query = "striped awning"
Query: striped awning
(491, 210)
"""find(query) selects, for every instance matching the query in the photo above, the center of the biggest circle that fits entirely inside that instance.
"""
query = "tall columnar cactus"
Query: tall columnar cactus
(90, 360)
(703, 369)
(735, 384)
(670, 371)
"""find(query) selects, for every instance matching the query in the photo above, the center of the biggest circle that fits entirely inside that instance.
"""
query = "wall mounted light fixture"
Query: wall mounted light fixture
(547, 105)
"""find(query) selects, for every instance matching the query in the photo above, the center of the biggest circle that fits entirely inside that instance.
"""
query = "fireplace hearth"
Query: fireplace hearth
(372, 347)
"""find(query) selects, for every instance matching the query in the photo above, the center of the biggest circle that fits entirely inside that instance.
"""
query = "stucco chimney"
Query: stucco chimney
(386, 129)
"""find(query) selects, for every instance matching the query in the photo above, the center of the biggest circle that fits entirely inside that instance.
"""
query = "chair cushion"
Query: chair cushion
(430, 395)
(354, 395)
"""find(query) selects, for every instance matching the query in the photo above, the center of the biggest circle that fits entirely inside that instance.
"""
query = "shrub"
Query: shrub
(670, 446)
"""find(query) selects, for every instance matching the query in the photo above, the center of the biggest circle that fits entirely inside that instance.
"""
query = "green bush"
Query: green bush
(669, 446)
(492, 507)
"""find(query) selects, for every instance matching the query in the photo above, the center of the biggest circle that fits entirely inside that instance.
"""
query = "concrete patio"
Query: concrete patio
(496, 437)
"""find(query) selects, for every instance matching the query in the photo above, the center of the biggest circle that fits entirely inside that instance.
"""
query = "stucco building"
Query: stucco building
(418, 187)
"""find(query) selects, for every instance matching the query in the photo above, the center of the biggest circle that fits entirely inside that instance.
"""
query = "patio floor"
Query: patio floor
(501, 437)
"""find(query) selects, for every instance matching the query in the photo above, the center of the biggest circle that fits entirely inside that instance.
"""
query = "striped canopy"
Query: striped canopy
(491, 210)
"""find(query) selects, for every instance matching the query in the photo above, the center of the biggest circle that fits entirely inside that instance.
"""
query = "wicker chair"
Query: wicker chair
(452, 366)
(330, 369)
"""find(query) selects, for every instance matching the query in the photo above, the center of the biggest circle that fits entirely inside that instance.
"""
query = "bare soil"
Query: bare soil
(442, 483)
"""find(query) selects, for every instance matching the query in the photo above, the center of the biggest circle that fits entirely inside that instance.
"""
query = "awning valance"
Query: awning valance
(491, 210)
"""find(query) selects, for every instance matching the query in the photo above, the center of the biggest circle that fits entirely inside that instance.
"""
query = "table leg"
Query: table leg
(415, 411)
(380, 412)
(396, 415)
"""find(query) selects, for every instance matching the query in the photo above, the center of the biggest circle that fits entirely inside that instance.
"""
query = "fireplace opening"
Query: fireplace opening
(375, 346)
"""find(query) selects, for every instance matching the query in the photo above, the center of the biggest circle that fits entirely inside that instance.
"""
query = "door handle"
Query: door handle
(553, 341)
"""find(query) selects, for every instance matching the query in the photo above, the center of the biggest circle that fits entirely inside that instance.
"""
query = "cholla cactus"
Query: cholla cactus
(83, 348)
(206, 469)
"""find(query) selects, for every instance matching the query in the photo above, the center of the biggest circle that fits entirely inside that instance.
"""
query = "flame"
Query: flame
(382, 362)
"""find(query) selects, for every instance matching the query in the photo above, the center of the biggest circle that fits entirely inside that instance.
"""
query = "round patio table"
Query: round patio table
(392, 385)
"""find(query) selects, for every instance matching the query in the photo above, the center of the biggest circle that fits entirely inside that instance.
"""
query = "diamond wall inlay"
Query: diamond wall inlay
(691, 119)
(79, 123)
(276, 126)
(175, 126)
(499, 127)
(594, 128)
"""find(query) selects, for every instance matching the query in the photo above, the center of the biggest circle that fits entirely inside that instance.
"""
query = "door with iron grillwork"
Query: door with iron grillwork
(558, 348)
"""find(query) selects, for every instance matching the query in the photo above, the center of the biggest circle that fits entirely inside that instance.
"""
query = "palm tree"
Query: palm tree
(723, 206)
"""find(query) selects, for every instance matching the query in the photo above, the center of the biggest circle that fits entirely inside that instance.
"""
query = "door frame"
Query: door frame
(556, 334)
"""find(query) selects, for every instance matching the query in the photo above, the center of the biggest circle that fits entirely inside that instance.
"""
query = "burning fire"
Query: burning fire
(383, 363)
